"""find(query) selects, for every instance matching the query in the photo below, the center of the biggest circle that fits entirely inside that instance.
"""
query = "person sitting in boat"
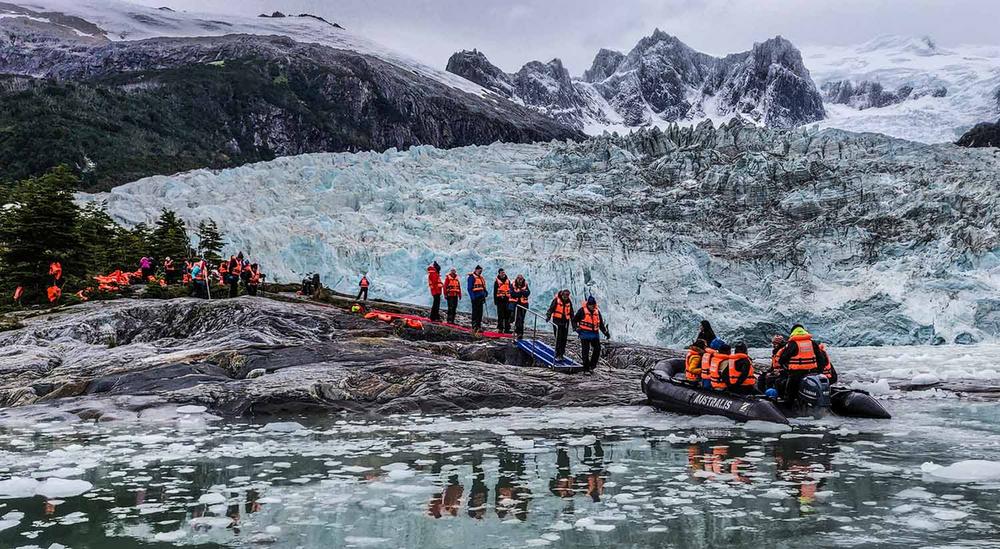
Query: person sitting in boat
(692, 362)
(706, 361)
(769, 380)
(717, 368)
(829, 371)
(740, 376)
(706, 333)
(799, 357)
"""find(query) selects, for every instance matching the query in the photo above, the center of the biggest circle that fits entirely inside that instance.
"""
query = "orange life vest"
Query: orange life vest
(692, 364)
(706, 363)
(718, 362)
(561, 311)
(591, 321)
(55, 292)
(452, 286)
(364, 282)
(224, 268)
(734, 374)
(521, 299)
(805, 359)
(775, 355)
(55, 269)
(237, 267)
(18, 292)
(168, 265)
(828, 369)
(254, 276)
(503, 289)
(414, 323)
(478, 283)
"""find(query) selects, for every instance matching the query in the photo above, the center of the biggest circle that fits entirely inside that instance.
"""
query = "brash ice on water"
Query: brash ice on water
(568, 477)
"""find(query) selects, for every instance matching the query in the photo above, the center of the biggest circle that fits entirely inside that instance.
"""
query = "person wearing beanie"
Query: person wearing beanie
(501, 298)
(560, 314)
(476, 285)
(436, 287)
(589, 326)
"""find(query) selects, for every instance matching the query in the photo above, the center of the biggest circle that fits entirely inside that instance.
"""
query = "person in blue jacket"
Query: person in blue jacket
(476, 286)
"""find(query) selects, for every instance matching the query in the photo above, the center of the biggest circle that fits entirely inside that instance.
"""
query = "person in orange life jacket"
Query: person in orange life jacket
(170, 271)
(692, 362)
(232, 278)
(476, 285)
(452, 293)
(589, 326)
(253, 279)
(517, 307)
(363, 288)
(560, 313)
(718, 368)
(741, 378)
(436, 287)
(829, 371)
(199, 277)
(799, 357)
(706, 362)
(501, 298)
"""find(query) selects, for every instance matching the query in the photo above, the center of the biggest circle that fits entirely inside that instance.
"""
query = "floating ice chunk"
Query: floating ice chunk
(880, 387)
(210, 522)
(925, 379)
(551, 536)
(758, 426)
(617, 468)
(921, 523)
(972, 470)
(399, 474)
(398, 466)
(356, 469)
(283, 427)
(775, 493)
(170, 536)
(364, 540)
(915, 493)
(585, 440)
(537, 542)
(518, 442)
(655, 529)
(18, 487)
(560, 526)
(10, 520)
(190, 409)
(212, 498)
(282, 465)
(63, 488)
(950, 514)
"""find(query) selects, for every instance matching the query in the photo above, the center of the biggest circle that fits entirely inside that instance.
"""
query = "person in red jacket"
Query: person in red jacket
(436, 287)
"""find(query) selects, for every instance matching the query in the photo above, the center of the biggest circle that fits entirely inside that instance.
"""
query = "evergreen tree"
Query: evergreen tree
(169, 238)
(210, 242)
(38, 228)
(98, 234)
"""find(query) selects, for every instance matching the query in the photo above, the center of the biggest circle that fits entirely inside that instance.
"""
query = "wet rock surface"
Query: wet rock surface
(97, 359)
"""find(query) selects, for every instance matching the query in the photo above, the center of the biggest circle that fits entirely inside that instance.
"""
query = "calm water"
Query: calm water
(607, 477)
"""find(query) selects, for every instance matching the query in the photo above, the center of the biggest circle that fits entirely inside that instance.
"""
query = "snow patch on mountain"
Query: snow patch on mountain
(960, 82)
(120, 21)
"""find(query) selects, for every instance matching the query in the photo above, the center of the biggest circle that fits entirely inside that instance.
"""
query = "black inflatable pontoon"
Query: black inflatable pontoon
(666, 390)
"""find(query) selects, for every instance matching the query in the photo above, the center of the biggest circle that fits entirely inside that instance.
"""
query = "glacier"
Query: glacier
(970, 73)
(867, 239)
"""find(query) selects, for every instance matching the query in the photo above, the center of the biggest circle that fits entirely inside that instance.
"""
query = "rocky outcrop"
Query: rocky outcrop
(986, 134)
(606, 63)
(311, 356)
(871, 95)
(474, 66)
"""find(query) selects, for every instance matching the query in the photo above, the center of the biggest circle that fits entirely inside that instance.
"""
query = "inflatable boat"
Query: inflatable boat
(666, 389)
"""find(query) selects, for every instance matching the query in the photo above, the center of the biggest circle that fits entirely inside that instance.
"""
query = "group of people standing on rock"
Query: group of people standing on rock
(712, 363)
(231, 272)
(511, 298)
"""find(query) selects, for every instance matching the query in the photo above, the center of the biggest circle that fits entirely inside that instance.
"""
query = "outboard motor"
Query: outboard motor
(814, 391)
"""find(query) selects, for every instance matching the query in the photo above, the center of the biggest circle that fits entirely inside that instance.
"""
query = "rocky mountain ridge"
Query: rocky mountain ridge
(660, 80)
(131, 108)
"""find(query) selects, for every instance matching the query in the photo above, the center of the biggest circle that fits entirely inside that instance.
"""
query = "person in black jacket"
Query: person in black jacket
(801, 356)
(706, 333)
(560, 313)
(518, 305)
(501, 299)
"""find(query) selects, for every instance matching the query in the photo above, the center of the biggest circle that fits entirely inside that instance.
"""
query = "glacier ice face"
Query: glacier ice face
(867, 239)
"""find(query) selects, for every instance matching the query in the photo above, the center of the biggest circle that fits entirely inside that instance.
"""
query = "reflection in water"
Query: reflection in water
(707, 487)
(512, 492)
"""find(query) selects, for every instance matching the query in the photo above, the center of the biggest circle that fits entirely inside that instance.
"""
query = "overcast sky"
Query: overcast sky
(513, 32)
